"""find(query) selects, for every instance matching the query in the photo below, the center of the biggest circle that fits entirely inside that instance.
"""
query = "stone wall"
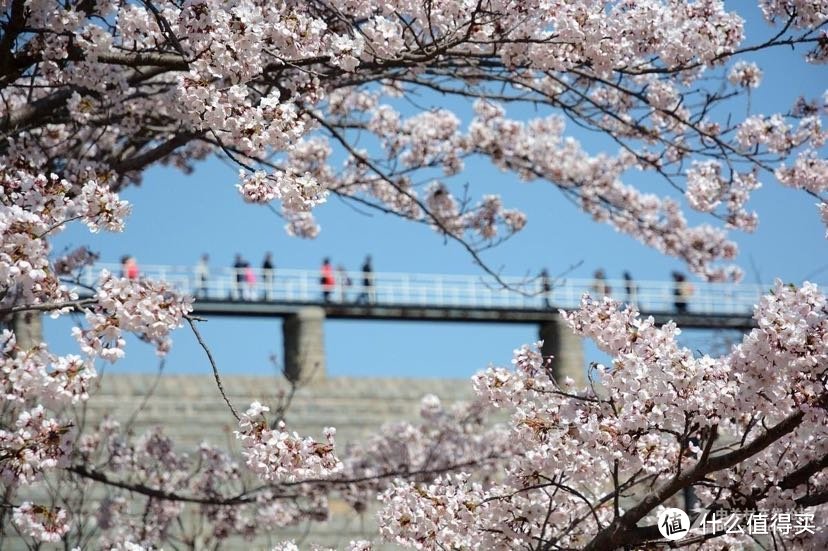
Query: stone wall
(191, 410)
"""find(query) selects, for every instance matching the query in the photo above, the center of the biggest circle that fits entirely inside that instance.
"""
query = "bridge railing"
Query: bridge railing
(438, 290)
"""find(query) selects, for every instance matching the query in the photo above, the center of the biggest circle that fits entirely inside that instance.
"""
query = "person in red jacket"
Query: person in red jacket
(131, 268)
(327, 280)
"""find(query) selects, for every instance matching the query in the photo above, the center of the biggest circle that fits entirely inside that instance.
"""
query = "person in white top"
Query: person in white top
(202, 275)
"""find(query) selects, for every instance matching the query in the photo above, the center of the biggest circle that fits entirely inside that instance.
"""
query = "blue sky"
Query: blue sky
(178, 217)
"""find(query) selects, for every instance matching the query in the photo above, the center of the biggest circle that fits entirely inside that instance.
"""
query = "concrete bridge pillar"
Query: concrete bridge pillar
(28, 329)
(304, 344)
(568, 351)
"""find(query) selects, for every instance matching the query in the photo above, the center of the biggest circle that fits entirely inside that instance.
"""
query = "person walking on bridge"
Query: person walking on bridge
(130, 268)
(631, 289)
(344, 281)
(682, 291)
(368, 295)
(239, 277)
(250, 282)
(546, 288)
(202, 275)
(599, 284)
(327, 280)
(268, 271)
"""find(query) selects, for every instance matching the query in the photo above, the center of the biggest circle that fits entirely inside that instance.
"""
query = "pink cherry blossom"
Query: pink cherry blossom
(275, 454)
(385, 104)
(42, 524)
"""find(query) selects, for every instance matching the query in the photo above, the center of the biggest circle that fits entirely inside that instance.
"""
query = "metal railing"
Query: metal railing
(436, 290)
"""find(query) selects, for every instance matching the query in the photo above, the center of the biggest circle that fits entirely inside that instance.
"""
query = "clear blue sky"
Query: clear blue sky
(178, 217)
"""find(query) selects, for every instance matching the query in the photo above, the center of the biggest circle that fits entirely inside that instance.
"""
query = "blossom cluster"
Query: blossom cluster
(277, 455)
(539, 149)
(37, 434)
(149, 309)
(262, 83)
(36, 374)
(39, 443)
(645, 420)
(434, 516)
(210, 476)
(94, 93)
(34, 206)
(353, 545)
(40, 523)
(445, 438)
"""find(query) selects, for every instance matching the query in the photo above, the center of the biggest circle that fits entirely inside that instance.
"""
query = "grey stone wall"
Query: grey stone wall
(191, 410)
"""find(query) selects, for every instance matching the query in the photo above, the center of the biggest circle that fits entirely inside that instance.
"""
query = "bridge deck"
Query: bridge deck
(405, 312)
(442, 297)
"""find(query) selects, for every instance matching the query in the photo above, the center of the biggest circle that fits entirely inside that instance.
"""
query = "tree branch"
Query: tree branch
(214, 366)
(620, 531)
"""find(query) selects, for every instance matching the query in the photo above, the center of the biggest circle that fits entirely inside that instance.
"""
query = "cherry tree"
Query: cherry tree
(95, 92)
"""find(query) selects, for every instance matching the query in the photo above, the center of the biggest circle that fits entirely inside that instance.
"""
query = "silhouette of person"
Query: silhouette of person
(202, 275)
(327, 279)
(546, 288)
(599, 284)
(682, 291)
(268, 272)
(239, 266)
(344, 282)
(131, 268)
(631, 289)
(250, 281)
(368, 294)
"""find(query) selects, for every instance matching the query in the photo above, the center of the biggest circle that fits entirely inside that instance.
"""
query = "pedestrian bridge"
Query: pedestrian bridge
(296, 296)
(442, 297)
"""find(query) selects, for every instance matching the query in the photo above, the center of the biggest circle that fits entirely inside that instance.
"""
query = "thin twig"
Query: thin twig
(213, 365)
(147, 396)
(49, 306)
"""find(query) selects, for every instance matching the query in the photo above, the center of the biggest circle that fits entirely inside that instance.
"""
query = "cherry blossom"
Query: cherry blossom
(806, 14)
(654, 388)
(39, 443)
(275, 454)
(384, 104)
(807, 172)
(433, 516)
(42, 524)
(745, 74)
(149, 309)
(823, 209)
